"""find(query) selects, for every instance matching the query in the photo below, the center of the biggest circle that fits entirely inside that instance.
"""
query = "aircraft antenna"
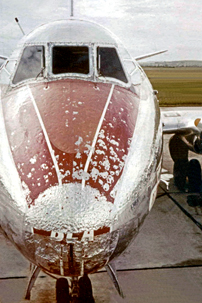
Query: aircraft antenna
(16, 19)
(72, 8)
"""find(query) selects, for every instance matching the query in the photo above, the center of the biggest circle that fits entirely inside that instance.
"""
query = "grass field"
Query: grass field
(179, 86)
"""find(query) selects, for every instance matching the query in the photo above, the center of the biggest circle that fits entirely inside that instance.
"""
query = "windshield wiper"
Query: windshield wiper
(41, 73)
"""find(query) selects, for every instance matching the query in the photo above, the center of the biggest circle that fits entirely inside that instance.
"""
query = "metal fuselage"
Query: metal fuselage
(80, 161)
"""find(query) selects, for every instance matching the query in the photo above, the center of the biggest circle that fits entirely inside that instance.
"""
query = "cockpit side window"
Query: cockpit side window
(70, 59)
(109, 65)
(31, 65)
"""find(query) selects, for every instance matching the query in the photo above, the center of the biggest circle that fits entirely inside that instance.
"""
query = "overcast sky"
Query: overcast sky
(143, 26)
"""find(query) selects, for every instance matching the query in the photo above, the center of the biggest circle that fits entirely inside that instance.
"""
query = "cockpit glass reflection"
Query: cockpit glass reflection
(70, 59)
(109, 64)
(31, 64)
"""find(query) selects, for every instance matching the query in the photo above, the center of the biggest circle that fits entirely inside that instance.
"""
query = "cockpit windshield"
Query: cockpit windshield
(31, 64)
(70, 59)
(109, 65)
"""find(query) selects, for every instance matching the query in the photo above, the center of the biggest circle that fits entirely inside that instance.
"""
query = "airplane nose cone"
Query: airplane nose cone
(69, 142)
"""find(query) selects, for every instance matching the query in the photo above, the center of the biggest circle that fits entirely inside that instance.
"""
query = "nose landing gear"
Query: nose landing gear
(62, 291)
(85, 290)
(80, 290)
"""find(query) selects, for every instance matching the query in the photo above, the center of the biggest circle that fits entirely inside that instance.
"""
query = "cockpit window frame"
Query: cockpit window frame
(106, 79)
(93, 68)
(39, 77)
(53, 76)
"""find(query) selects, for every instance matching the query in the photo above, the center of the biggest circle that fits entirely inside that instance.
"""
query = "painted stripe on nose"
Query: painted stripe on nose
(28, 144)
(97, 133)
(46, 137)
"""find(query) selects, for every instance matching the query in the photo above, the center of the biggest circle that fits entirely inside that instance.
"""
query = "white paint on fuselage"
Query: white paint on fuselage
(139, 174)
(8, 172)
(13, 203)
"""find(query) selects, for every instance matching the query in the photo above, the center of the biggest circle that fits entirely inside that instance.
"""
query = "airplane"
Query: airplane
(81, 152)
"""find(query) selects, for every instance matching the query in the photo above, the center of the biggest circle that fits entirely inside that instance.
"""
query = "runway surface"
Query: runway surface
(162, 265)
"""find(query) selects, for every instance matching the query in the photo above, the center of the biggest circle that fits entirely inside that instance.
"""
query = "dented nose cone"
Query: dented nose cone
(69, 208)
(68, 230)
(69, 142)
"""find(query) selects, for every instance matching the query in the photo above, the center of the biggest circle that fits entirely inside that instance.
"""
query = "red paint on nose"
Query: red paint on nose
(28, 145)
(114, 141)
(70, 111)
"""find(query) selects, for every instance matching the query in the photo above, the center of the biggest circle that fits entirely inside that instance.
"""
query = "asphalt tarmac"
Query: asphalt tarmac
(162, 265)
